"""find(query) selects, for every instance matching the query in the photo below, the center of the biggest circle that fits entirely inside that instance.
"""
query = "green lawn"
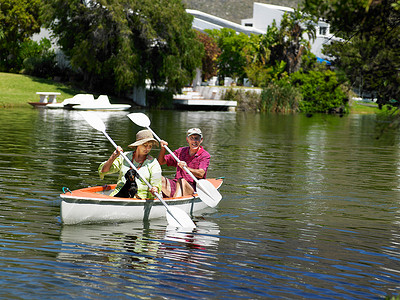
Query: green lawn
(358, 107)
(17, 90)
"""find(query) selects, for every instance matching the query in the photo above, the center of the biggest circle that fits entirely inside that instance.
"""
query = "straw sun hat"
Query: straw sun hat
(143, 136)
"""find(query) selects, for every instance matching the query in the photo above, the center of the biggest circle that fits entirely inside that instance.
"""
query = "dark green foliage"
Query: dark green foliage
(39, 59)
(19, 19)
(290, 42)
(371, 65)
(159, 99)
(232, 59)
(119, 44)
(370, 53)
(280, 96)
(321, 91)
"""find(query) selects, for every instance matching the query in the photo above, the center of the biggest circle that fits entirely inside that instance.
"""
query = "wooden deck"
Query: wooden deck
(195, 101)
(204, 104)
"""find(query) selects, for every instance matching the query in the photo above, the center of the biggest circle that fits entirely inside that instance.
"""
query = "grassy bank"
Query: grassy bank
(358, 107)
(17, 90)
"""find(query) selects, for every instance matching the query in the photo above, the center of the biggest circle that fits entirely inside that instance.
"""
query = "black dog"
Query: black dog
(130, 188)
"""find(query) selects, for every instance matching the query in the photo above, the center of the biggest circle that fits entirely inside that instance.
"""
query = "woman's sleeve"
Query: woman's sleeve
(155, 176)
(115, 167)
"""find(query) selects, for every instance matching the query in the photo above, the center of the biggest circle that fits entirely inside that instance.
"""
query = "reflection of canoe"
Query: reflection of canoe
(137, 245)
(93, 204)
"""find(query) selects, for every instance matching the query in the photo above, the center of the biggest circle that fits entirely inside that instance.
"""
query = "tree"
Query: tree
(260, 69)
(321, 91)
(19, 20)
(118, 44)
(268, 57)
(370, 52)
(290, 43)
(232, 61)
(211, 54)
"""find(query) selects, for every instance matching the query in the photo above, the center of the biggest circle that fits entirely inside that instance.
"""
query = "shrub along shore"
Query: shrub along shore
(282, 99)
(17, 90)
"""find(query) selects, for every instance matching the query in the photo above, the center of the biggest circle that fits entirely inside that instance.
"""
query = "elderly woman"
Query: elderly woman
(148, 167)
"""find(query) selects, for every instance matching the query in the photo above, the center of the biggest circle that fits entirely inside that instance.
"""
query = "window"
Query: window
(323, 30)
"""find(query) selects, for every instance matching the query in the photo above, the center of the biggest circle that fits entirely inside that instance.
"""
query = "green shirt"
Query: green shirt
(150, 170)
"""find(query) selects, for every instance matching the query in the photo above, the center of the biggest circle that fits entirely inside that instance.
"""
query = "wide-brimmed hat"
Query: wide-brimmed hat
(143, 136)
(192, 131)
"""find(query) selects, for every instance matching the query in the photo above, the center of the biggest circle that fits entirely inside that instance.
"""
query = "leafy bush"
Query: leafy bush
(38, 59)
(260, 75)
(321, 92)
(280, 96)
(247, 100)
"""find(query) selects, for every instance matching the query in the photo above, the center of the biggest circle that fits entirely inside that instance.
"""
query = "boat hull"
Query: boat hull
(87, 102)
(94, 205)
(112, 107)
(38, 104)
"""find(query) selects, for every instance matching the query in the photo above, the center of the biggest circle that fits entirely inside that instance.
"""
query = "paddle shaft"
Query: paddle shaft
(144, 179)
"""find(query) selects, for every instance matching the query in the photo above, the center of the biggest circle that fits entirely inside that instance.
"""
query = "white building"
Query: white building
(204, 21)
(263, 16)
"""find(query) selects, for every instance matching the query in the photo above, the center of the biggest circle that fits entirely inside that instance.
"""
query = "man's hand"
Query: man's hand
(182, 164)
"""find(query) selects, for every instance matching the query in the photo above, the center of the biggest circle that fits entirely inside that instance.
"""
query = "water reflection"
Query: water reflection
(138, 245)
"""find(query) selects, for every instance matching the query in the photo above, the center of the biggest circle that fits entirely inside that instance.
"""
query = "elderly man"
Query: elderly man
(194, 157)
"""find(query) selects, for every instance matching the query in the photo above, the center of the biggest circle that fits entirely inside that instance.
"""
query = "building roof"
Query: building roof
(206, 21)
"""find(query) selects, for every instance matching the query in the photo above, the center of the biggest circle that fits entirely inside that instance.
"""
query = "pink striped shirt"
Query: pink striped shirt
(201, 160)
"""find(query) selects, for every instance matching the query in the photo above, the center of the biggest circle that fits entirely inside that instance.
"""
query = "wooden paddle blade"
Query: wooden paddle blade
(208, 193)
(177, 217)
(140, 119)
(94, 121)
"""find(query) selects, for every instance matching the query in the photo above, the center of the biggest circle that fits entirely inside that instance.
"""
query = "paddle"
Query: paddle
(206, 190)
(175, 216)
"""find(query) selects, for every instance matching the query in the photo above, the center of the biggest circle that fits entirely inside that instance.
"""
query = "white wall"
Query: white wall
(264, 14)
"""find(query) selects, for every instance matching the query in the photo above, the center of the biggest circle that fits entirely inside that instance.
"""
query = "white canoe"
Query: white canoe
(94, 205)
(87, 102)
(105, 107)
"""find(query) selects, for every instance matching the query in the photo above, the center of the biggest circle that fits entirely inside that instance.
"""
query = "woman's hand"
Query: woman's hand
(163, 143)
(110, 161)
(117, 152)
(154, 190)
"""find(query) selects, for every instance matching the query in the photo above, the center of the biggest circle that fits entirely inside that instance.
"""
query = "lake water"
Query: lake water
(310, 210)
